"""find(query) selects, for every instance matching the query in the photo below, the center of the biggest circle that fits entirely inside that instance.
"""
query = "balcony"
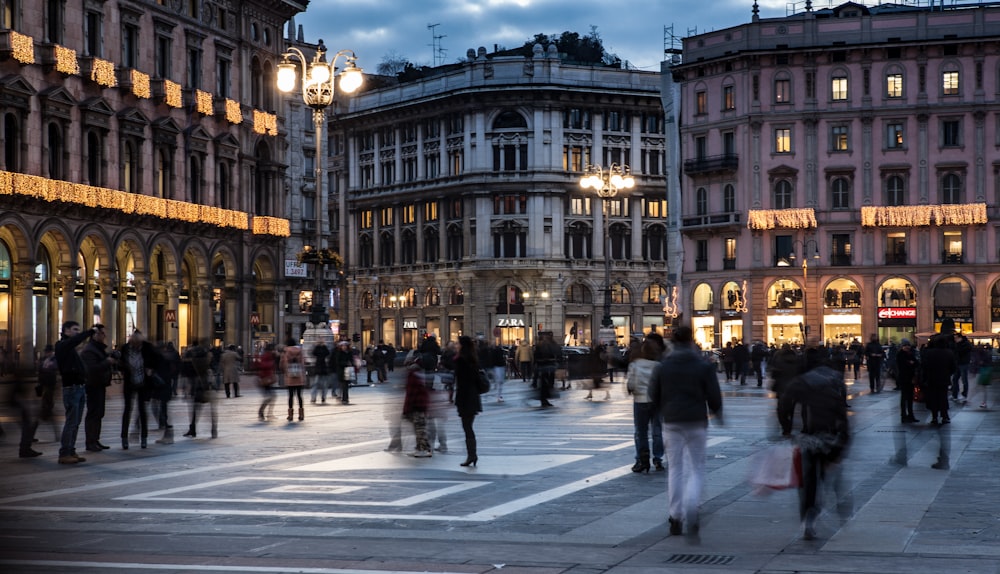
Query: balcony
(711, 221)
(728, 264)
(895, 258)
(701, 264)
(840, 259)
(952, 258)
(726, 163)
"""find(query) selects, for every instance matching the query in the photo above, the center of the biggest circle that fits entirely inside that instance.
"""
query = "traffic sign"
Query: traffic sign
(170, 315)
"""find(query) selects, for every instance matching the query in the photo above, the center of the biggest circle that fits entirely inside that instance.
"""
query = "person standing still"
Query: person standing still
(963, 356)
(139, 361)
(293, 363)
(523, 357)
(322, 354)
(48, 378)
(874, 354)
(229, 364)
(265, 380)
(74, 381)
(467, 399)
(342, 359)
(99, 364)
(906, 370)
(685, 389)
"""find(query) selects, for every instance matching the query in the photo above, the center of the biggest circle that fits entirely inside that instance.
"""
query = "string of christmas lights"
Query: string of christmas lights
(172, 94)
(924, 215)
(782, 218)
(66, 61)
(103, 73)
(22, 47)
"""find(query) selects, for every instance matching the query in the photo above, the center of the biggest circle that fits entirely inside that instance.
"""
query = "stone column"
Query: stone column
(24, 280)
(109, 311)
(67, 284)
(142, 321)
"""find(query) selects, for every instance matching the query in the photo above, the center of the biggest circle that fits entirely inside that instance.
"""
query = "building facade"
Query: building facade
(462, 212)
(139, 181)
(841, 173)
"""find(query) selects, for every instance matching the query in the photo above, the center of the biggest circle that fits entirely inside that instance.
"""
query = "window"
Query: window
(621, 242)
(782, 249)
(164, 174)
(576, 158)
(701, 257)
(12, 143)
(949, 83)
(729, 198)
(95, 162)
(895, 248)
(729, 143)
(700, 147)
(222, 77)
(841, 253)
(577, 119)
(894, 85)
(579, 206)
(701, 103)
(431, 211)
(387, 250)
(54, 21)
(838, 88)
(729, 253)
(654, 208)
(952, 247)
(654, 243)
(93, 41)
(432, 245)
(10, 15)
(701, 201)
(510, 204)
(782, 91)
(840, 191)
(895, 194)
(408, 248)
(782, 194)
(455, 243)
(163, 56)
(130, 167)
(130, 45)
(728, 98)
(194, 68)
(408, 214)
(366, 219)
(782, 140)
(951, 189)
(510, 241)
(578, 239)
(951, 133)
(385, 216)
(895, 135)
(839, 138)
(432, 166)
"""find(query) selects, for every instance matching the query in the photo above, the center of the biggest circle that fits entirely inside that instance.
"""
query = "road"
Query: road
(553, 492)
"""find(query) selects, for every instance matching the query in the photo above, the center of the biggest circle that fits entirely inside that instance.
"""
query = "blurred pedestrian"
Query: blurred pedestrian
(498, 368)
(467, 399)
(25, 400)
(906, 371)
(266, 378)
(74, 393)
(321, 371)
(874, 355)
(416, 403)
(202, 393)
(685, 388)
(963, 356)
(293, 363)
(48, 378)
(229, 364)
(99, 362)
(343, 363)
(548, 356)
(741, 362)
(523, 358)
(139, 360)
(645, 418)
(823, 440)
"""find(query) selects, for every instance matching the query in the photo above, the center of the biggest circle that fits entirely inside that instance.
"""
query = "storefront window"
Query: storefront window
(841, 311)
(953, 300)
(703, 298)
(784, 295)
(897, 310)
(785, 303)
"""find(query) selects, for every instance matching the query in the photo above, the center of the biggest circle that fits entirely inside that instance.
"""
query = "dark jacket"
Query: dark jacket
(322, 354)
(906, 366)
(150, 360)
(821, 392)
(467, 399)
(685, 387)
(95, 357)
(71, 366)
(417, 397)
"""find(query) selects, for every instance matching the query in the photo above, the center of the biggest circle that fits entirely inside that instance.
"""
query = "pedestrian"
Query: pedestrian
(48, 378)
(855, 354)
(201, 389)
(99, 363)
(982, 360)
(416, 403)
(741, 362)
(783, 366)
(498, 368)
(906, 371)
(430, 351)
(74, 392)
(467, 399)
(548, 356)
(963, 356)
(379, 356)
(24, 399)
(874, 355)
(824, 436)
(322, 371)
(139, 360)
(229, 364)
(937, 364)
(728, 360)
(342, 360)
(266, 365)
(437, 416)
(757, 355)
(596, 367)
(369, 361)
(163, 393)
(293, 363)
(523, 358)
(173, 360)
(685, 389)
(645, 418)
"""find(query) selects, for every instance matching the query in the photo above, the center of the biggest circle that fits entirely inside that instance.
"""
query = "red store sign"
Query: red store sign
(897, 313)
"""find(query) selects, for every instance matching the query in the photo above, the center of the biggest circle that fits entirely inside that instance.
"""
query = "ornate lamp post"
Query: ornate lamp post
(607, 183)
(804, 326)
(318, 91)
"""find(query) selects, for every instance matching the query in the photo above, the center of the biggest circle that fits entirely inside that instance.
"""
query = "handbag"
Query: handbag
(776, 468)
(483, 382)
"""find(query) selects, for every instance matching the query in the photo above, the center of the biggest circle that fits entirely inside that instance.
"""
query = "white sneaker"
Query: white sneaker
(499, 399)
(421, 454)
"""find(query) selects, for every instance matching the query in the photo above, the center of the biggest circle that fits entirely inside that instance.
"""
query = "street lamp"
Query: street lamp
(804, 326)
(544, 296)
(607, 183)
(318, 92)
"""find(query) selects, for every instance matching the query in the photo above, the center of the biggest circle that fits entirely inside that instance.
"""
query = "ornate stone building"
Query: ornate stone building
(140, 180)
(841, 173)
(463, 213)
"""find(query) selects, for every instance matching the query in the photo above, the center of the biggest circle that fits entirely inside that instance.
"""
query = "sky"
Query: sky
(631, 29)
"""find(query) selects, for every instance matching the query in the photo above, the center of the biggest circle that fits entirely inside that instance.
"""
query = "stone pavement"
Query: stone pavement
(552, 493)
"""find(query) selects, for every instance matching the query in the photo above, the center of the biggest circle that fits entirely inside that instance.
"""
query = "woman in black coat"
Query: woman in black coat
(467, 394)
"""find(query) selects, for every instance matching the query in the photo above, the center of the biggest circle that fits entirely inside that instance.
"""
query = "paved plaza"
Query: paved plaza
(553, 492)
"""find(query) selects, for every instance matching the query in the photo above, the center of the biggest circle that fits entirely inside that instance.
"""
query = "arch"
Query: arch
(456, 296)
(54, 234)
(702, 298)
(621, 294)
(579, 294)
(785, 294)
(783, 194)
(842, 293)
(897, 292)
(731, 296)
(509, 119)
(654, 294)
(953, 291)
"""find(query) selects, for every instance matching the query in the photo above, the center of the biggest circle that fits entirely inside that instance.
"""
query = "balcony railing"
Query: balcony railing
(840, 260)
(713, 164)
(701, 264)
(895, 258)
(729, 264)
(713, 220)
(952, 258)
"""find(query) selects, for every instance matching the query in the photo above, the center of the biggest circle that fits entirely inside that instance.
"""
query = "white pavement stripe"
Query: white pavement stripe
(208, 568)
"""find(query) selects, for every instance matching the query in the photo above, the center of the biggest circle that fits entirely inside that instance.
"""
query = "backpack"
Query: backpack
(482, 382)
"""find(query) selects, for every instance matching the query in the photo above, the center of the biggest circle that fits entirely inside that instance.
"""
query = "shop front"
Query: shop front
(410, 334)
(953, 300)
(785, 313)
(703, 325)
(896, 323)
(510, 329)
(841, 312)
(731, 327)
(995, 308)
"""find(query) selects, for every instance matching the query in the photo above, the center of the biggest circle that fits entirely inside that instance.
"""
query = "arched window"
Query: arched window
(782, 194)
(654, 243)
(701, 201)
(654, 294)
(729, 198)
(579, 294)
(840, 192)
(578, 241)
(456, 296)
(895, 193)
(951, 189)
(509, 120)
(620, 295)
(703, 299)
(432, 297)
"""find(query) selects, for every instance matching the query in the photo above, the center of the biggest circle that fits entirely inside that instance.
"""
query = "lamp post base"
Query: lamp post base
(318, 315)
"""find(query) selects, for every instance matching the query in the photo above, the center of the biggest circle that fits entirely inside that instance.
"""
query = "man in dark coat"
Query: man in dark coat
(99, 364)
(74, 381)
(140, 361)
(874, 355)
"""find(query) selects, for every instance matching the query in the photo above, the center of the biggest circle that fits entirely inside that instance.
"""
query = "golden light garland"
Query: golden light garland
(203, 102)
(263, 225)
(103, 72)
(924, 215)
(781, 218)
(172, 94)
(265, 123)
(140, 84)
(132, 203)
(234, 114)
(22, 47)
(66, 61)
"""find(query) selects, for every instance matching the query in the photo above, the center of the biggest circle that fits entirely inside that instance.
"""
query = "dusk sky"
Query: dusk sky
(631, 29)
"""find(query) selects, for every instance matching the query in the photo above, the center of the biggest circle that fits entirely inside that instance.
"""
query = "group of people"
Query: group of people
(84, 364)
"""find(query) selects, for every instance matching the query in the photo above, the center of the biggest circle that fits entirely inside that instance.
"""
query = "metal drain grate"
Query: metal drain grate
(714, 559)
